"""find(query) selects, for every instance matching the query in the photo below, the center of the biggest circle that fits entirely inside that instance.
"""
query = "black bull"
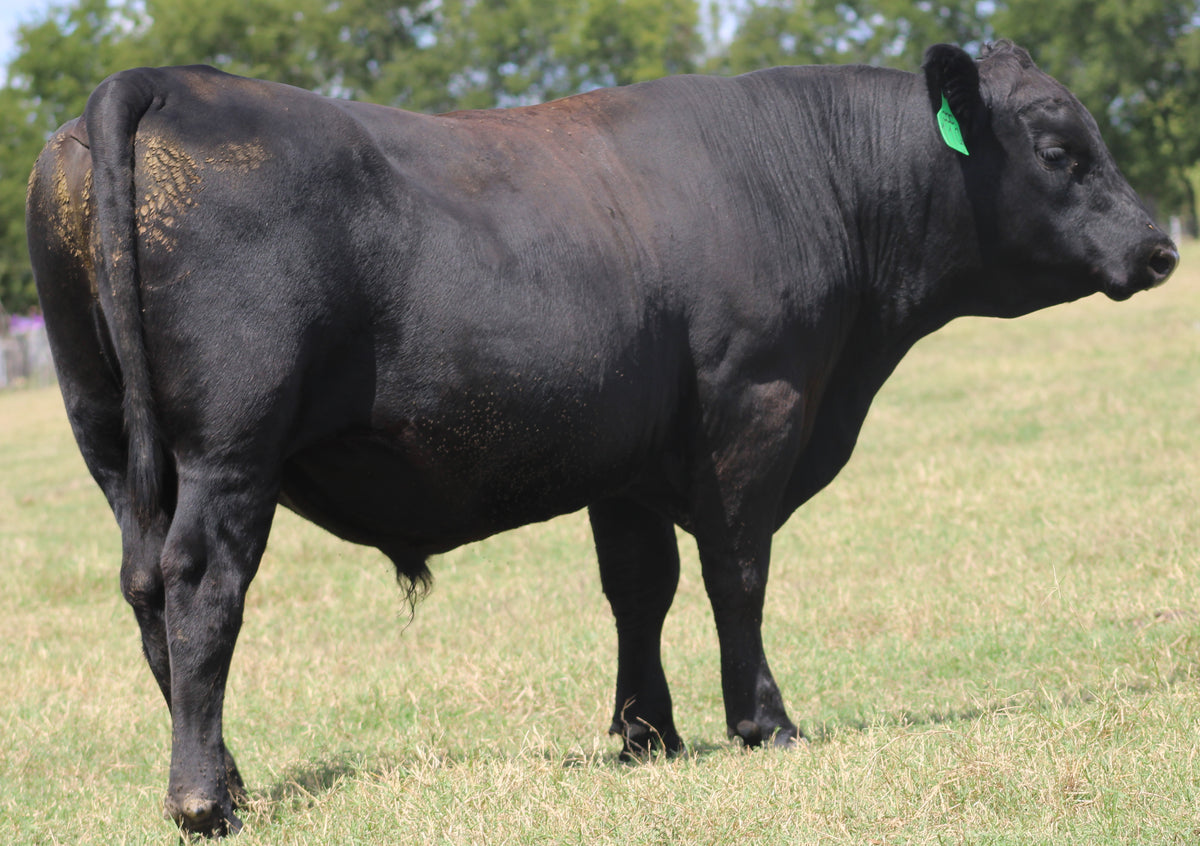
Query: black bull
(670, 303)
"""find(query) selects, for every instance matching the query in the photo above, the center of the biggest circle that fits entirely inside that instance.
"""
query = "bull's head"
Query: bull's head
(1056, 218)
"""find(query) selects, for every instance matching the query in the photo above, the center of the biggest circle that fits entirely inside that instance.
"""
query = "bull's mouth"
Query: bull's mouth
(1119, 289)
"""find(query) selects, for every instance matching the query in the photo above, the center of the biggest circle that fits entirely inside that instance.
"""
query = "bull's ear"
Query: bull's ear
(950, 72)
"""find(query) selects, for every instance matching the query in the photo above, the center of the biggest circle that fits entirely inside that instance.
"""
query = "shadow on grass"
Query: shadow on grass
(303, 784)
(829, 730)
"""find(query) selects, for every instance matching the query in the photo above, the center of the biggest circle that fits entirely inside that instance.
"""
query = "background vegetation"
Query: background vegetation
(989, 625)
(1135, 63)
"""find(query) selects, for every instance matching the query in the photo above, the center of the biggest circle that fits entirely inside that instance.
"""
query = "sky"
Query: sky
(13, 12)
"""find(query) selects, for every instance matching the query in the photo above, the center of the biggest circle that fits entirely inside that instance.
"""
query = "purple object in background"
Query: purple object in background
(20, 324)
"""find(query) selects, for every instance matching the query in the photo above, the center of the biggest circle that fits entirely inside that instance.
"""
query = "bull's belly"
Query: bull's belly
(405, 492)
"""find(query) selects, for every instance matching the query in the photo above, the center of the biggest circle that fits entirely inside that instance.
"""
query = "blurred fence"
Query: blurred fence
(24, 352)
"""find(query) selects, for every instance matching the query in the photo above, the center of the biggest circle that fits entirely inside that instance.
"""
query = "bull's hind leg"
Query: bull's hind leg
(142, 587)
(211, 553)
(639, 569)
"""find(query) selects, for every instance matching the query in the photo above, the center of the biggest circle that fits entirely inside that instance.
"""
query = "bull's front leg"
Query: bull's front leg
(210, 555)
(736, 580)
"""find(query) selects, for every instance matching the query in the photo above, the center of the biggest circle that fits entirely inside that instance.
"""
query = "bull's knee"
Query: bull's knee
(142, 588)
(141, 574)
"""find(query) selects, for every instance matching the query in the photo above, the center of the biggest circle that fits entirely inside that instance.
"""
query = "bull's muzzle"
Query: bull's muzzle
(1150, 264)
(1163, 260)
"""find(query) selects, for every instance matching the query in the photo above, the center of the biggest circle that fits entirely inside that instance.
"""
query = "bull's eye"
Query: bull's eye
(1054, 156)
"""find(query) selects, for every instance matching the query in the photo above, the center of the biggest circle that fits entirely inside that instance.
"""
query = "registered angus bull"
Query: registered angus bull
(670, 303)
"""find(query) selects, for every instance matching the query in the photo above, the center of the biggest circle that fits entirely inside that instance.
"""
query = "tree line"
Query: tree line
(1134, 63)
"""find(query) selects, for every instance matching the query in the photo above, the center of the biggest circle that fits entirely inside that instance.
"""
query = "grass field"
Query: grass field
(989, 626)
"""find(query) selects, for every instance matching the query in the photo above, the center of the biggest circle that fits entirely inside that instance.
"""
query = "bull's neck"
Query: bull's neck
(909, 235)
(914, 223)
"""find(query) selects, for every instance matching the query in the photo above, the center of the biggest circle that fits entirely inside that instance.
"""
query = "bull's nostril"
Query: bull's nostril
(1163, 261)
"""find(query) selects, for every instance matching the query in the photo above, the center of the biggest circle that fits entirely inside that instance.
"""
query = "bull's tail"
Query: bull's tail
(112, 116)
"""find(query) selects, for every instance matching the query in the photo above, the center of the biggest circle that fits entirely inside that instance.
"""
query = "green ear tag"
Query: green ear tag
(951, 131)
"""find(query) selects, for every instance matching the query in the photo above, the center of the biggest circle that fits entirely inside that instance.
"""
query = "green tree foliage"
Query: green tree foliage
(891, 33)
(1135, 63)
(353, 48)
(284, 40)
(23, 141)
(61, 58)
(627, 41)
(482, 53)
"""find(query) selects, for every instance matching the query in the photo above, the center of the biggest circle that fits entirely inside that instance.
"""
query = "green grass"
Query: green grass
(989, 625)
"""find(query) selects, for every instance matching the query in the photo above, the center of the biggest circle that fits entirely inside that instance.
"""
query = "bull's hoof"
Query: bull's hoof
(752, 735)
(196, 815)
(641, 740)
